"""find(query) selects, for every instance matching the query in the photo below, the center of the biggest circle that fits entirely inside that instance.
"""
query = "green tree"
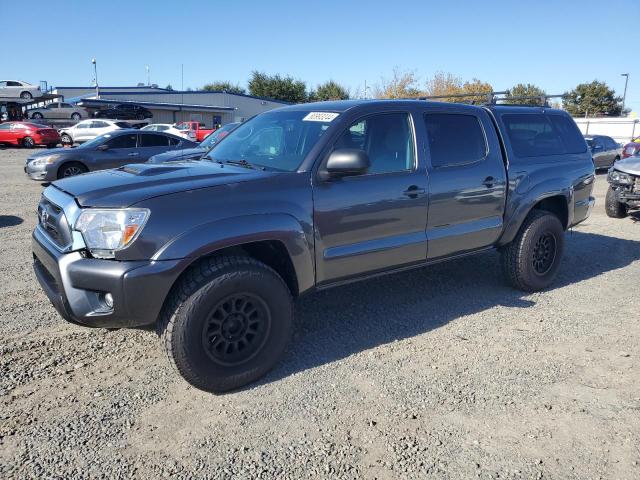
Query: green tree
(595, 98)
(480, 89)
(525, 90)
(168, 87)
(401, 85)
(329, 91)
(278, 87)
(444, 84)
(224, 86)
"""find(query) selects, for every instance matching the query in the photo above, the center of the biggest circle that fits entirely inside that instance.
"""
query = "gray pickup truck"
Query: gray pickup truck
(214, 252)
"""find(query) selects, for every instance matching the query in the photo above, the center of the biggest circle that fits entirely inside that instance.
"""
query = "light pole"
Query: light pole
(148, 76)
(624, 95)
(95, 73)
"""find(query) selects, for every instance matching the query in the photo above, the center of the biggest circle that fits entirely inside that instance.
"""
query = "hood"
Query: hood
(49, 151)
(134, 183)
(630, 165)
(176, 155)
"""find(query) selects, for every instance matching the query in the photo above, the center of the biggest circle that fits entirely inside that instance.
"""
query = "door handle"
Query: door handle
(413, 191)
(489, 182)
(133, 154)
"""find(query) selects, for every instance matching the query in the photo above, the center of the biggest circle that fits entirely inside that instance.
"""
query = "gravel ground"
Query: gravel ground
(443, 372)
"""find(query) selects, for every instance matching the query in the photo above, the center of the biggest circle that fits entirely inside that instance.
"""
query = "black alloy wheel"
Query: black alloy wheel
(544, 253)
(236, 329)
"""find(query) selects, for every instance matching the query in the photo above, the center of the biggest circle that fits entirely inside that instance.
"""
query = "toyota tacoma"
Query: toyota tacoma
(214, 252)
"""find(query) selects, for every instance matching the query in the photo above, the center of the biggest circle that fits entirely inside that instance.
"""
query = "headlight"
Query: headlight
(618, 177)
(107, 230)
(46, 160)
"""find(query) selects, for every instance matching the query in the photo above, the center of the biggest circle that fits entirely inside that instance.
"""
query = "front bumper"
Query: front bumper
(40, 173)
(76, 285)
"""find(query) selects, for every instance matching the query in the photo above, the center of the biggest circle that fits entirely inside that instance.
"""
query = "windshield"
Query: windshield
(219, 134)
(275, 140)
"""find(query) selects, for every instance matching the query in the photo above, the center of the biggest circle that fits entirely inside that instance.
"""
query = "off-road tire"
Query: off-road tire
(192, 303)
(613, 207)
(519, 256)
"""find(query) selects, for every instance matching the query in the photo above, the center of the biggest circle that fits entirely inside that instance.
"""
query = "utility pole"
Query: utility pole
(624, 95)
(148, 76)
(95, 73)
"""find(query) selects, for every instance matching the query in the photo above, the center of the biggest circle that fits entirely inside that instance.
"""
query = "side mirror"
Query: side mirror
(103, 147)
(347, 162)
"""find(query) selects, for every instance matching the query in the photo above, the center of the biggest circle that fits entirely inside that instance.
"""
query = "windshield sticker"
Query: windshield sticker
(320, 116)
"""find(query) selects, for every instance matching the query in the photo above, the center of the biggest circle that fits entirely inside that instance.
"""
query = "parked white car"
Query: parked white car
(59, 110)
(89, 129)
(19, 89)
(163, 127)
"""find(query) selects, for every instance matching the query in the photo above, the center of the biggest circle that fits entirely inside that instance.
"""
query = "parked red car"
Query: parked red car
(28, 134)
(631, 149)
(194, 131)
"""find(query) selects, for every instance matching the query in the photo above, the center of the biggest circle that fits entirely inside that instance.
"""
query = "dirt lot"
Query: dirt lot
(442, 372)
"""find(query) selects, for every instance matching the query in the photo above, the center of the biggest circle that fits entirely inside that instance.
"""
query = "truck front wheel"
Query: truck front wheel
(530, 262)
(227, 322)
(613, 207)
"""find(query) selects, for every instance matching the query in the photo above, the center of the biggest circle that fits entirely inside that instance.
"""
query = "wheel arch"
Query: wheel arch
(277, 240)
(556, 203)
(69, 161)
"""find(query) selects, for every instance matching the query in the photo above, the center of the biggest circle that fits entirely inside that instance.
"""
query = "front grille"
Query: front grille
(53, 221)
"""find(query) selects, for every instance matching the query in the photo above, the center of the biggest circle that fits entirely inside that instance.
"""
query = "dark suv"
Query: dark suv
(307, 197)
(125, 111)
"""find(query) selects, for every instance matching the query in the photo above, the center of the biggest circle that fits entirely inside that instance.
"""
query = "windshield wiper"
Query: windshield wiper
(243, 163)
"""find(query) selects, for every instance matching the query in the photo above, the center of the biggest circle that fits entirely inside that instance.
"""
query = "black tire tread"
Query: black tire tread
(613, 207)
(216, 269)
(513, 252)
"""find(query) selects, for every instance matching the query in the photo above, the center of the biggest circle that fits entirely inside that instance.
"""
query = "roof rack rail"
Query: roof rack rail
(493, 98)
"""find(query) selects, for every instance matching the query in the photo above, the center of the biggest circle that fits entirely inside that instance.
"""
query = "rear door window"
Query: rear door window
(454, 139)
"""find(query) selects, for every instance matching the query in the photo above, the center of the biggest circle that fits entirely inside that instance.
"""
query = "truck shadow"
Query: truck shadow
(340, 322)
(10, 221)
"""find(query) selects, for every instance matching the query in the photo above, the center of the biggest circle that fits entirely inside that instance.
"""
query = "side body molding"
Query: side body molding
(234, 231)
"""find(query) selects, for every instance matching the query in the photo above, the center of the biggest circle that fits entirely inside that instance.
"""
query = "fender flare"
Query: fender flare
(524, 203)
(208, 238)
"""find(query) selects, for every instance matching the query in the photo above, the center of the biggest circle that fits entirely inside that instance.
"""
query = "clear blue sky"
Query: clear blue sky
(554, 44)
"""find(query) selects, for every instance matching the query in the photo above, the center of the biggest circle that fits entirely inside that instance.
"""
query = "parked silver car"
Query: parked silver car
(59, 110)
(605, 150)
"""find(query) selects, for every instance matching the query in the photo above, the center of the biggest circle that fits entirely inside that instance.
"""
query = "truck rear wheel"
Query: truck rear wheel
(613, 207)
(226, 323)
(530, 262)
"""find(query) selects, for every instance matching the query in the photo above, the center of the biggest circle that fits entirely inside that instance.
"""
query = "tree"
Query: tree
(480, 89)
(525, 90)
(168, 87)
(595, 98)
(277, 87)
(444, 84)
(224, 86)
(329, 91)
(401, 85)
